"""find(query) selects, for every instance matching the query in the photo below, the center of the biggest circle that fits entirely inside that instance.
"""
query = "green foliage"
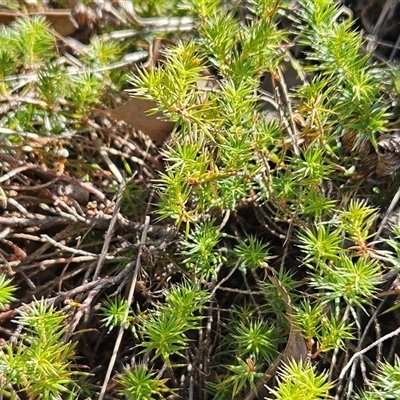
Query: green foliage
(8, 65)
(165, 329)
(221, 125)
(101, 54)
(386, 384)
(314, 323)
(28, 45)
(255, 339)
(223, 149)
(85, 91)
(243, 373)
(159, 8)
(6, 291)
(40, 362)
(251, 254)
(138, 383)
(226, 161)
(51, 84)
(218, 128)
(200, 250)
(312, 170)
(276, 304)
(301, 382)
(175, 86)
(355, 87)
(25, 44)
(258, 42)
(355, 281)
(322, 244)
(344, 264)
(250, 343)
(32, 40)
(357, 221)
(113, 311)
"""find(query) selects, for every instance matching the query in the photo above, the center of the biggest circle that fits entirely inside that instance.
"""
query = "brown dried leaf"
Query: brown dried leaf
(136, 113)
(60, 20)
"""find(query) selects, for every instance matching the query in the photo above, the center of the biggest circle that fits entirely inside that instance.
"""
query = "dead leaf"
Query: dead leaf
(60, 20)
(136, 113)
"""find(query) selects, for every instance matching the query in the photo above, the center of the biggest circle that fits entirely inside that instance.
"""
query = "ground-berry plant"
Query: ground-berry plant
(269, 267)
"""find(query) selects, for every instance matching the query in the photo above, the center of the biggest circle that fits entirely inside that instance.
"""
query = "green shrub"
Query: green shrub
(268, 203)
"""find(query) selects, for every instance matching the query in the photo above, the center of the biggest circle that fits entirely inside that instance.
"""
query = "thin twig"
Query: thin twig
(361, 352)
(179, 23)
(98, 285)
(110, 230)
(129, 301)
(20, 208)
(60, 202)
(131, 58)
(292, 131)
(67, 248)
(50, 173)
(350, 381)
(378, 25)
(392, 205)
(83, 309)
